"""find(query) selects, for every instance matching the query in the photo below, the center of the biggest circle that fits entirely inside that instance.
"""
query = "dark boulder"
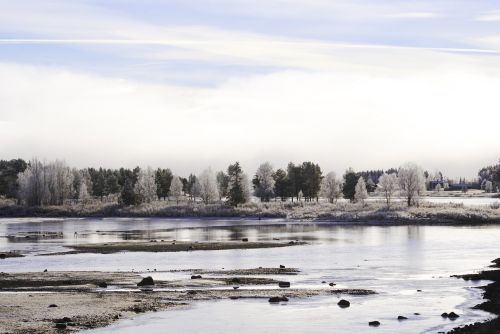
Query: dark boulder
(196, 277)
(444, 315)
(278, 299)
(344, 303)
(146, 281)
(452, 315)
(284, 284)
(52, 305)
(102, 285)
(400, 318)
(374, 323)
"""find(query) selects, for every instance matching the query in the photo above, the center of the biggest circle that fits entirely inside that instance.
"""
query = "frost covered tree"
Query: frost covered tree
(246, 188)
(49, 184)
(488, 187)
(360, 192)
(222, 184)
(263, 182)
(145, 188)
(32, 190)
(411, 182)
(208, 186)
(388, 185)
(83, 193)
(176, 188)
(331, 187)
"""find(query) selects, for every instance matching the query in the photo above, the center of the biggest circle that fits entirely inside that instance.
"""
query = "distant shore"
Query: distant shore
(369, 213)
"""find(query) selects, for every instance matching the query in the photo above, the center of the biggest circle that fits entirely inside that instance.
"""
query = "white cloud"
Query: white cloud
(367, 118)
(493, 16)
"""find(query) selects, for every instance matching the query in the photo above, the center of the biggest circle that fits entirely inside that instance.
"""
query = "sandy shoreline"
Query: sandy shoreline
(81, 304)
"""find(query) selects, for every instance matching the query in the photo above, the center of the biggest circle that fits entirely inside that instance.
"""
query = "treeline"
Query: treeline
(489, 178)
(35, 183)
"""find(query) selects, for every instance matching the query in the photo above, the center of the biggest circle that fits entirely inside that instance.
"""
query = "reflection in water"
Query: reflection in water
(395, 261)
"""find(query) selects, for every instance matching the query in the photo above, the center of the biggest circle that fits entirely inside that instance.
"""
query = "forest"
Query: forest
(37, 183)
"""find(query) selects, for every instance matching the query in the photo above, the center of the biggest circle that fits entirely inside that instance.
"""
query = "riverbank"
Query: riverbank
(491, 304)
(370, 212)
(62, 302)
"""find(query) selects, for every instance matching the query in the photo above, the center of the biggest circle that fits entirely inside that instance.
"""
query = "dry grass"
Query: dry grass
(372, 212)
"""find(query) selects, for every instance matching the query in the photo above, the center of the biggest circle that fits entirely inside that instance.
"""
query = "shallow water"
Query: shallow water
(395, 261)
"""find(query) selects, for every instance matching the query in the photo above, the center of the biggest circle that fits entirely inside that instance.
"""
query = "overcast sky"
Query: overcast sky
(190, 84)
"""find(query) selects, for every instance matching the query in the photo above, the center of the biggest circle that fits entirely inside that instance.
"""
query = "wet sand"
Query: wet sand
(171, 246)
(80, 304)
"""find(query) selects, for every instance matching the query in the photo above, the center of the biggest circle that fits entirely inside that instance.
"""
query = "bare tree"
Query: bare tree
(264, 182)
(208, 186)
(145, 188)
(488, 187)
(411, 182)
(176, 188)
(388, 185)
(361, 193)
(331, 187)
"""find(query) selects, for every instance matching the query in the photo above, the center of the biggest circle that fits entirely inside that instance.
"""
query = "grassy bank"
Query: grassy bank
(371, 212)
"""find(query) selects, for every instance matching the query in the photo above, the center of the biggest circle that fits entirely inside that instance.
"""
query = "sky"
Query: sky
(368, 84)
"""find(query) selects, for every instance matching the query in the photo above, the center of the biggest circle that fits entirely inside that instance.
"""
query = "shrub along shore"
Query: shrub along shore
(341, 212)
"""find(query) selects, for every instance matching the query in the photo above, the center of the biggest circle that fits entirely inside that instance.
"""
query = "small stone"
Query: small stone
(278, 299)
(453, 315)
(444, 315)
(282, 266)
(331, 284)
(45, 271)
(236, 287)
(284, 284)
(344, 303)
(374, 323)
(196, 277)
(102, 285)
(244, 239)
(52, 305)
(60, 326)
(400, 318)
(146, 281)
(419, 290)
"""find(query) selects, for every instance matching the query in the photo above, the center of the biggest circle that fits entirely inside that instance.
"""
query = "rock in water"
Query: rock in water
(331, 284)
(244, 239)
(102, 285)
(146, 281)
(196, 277)
(400, 317)
(278, 299)
(344, 303)
(374, 323)
(452, 315)
(282, 266)
(52, 305)
(444, 315)
(284, 284)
